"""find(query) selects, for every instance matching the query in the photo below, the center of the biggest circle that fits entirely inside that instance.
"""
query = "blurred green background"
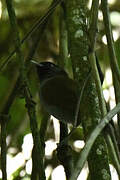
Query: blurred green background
(19, 139)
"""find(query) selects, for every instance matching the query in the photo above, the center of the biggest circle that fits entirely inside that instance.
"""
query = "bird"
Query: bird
(58, 93)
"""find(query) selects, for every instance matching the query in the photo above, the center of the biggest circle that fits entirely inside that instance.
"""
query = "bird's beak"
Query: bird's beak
(34, 62)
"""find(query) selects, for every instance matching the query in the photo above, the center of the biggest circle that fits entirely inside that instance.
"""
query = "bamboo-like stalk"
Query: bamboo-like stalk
(3, 122)
(84, 153)
(112, 54)
(64, 151)
(29, 102)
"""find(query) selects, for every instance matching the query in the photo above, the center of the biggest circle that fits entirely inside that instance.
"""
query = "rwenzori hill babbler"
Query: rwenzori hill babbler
(58, 93)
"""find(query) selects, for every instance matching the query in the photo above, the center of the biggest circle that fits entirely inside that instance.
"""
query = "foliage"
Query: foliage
(42, 45)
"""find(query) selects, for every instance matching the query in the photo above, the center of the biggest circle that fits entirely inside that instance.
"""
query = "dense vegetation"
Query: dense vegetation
(45, 39)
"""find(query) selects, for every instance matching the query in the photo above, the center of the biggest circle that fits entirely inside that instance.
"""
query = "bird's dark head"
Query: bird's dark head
(47, 70)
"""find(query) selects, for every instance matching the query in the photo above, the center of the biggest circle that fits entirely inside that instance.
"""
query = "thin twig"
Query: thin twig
(85, 152)
(98, 84)
(109, 35)
(33, 29)
(3, 122)
(93, 23)
(103, 109)
(80, 98)
(112, 54)
(29, 103)
(64, 152)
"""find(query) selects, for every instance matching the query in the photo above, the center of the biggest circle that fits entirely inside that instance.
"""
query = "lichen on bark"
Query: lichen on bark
(79, 43)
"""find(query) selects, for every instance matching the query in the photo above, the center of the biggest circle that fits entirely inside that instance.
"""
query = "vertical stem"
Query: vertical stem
(93, 23)
(63, 40)
(92, 33)
(85, 151)
(29, 103)
(98, 84)
(114, 66)
(64, 150)
(112, 54)
(109, 35)
(110, 143)
(89, 109)
(4, 119)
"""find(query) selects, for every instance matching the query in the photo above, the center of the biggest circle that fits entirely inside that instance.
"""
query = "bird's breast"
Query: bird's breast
(59, 98)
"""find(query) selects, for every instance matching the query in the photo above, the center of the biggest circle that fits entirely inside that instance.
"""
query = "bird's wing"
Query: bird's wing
(60, 97)
(59, 91)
